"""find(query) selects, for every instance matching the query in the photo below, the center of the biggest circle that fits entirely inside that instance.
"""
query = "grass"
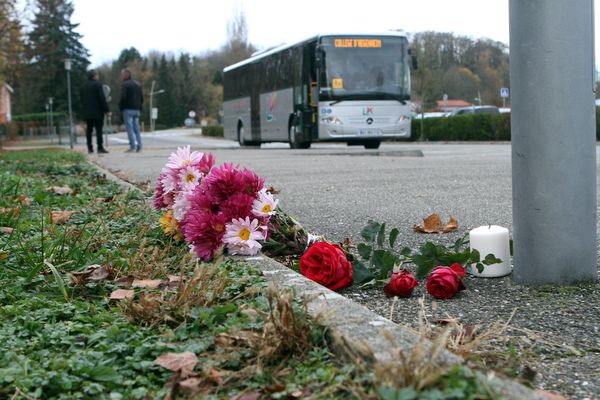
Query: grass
(62, 337)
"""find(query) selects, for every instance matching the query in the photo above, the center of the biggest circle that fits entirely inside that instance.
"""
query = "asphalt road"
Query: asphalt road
(334, 190)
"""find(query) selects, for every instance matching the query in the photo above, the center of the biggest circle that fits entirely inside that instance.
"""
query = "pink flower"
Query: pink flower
(181, 206)
(204, 230)
(239, 205)
(189, 178)
(159, 193)
(242, 236)
(226, 180)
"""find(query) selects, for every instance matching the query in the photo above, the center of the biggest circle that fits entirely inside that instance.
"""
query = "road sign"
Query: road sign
(192, 114)
(504, 92)
(154, 113)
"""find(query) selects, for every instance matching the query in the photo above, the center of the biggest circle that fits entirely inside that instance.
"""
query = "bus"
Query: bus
(352, 88)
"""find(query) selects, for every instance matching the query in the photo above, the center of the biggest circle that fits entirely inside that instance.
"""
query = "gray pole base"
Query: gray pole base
(553, 141)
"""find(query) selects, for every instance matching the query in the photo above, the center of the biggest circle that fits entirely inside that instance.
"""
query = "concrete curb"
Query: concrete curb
(355, 330)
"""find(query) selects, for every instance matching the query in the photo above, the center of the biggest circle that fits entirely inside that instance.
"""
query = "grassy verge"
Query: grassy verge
(70, 240)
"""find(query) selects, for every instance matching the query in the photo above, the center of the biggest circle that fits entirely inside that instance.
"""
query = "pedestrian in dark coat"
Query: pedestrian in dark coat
(93, 109)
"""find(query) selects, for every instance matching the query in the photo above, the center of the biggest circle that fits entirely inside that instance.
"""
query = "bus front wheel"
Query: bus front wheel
(372, 144)
(242, 141)
(295, 143)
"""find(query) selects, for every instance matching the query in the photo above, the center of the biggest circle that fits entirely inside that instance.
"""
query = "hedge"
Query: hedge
(38, 117)
(483, 127)
(213, 130)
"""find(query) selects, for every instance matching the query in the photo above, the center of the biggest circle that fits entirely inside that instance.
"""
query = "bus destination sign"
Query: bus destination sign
(358, 43)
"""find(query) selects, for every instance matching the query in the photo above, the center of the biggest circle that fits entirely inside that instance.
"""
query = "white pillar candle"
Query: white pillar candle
(491, 239)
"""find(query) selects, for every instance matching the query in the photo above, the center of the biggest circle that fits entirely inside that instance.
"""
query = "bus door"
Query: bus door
(310, 91)
(254, 105)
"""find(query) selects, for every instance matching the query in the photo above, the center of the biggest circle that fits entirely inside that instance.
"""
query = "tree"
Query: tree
(51, 40)
(166, 102)
(459, 66)
(11, 49)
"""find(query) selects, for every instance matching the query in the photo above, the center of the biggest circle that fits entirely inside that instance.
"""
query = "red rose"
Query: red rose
(326, 264)
(401, 284)
(445, 282)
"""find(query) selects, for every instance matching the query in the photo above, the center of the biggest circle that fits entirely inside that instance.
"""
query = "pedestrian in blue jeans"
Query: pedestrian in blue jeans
(131, 107)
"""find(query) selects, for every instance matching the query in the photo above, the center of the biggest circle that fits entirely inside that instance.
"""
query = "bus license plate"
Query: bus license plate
(369, 132)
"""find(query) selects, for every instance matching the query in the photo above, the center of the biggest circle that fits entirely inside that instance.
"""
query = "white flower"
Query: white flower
(265, 205)
(181, 206)
(184, 157)
(241, 236)
(189, 178)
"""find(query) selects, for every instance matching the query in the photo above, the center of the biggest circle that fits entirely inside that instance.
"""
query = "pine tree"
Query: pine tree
(52, 40)
(166, 102)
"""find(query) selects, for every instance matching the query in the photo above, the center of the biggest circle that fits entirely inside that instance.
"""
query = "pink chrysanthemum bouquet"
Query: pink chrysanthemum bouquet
(215, 207)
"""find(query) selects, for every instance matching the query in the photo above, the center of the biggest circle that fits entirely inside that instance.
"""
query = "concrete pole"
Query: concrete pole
(553, 141)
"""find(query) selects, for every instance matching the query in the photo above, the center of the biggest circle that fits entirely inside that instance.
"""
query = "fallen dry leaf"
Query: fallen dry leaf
(433, 224)
(60, 190)
(174, 281)
(120, 294)
(451, 226)
(6, 229)
(273, 190)
(190, 384)
(24, 200)
(147, 283)
(94, 273)
(3, 255)
(60, 217)
(184, 362)
(15, 211)
(125, 280)
(249, 396)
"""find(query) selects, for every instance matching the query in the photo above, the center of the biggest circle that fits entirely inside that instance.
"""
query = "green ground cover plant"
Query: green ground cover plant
(92, 294)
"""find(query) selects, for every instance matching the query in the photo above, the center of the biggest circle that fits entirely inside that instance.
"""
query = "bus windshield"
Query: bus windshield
(369, 68)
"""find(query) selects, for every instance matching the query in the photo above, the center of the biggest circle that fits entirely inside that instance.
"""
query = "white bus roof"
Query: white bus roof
(261, 54)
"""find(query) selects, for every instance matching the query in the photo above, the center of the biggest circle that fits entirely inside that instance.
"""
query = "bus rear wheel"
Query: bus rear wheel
(295, 143)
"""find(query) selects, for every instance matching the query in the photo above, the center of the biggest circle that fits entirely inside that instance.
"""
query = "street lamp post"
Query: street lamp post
(152, 93)
(50, 103)
(68, 68)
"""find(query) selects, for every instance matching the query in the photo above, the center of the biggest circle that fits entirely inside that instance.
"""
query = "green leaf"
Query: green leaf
(384, 261)
(491, 259)
(393, 236)
(480, 267)
(424, 266)
(40, 197)
(104, 374)
(461, 242)
(406, 252)
(475, 257)
(370, 231)
(361, 273)
(381, 235)
(364, 250)
(58, 279)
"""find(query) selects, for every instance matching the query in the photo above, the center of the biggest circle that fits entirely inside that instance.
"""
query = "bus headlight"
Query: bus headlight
(403, 118)
(331, 120)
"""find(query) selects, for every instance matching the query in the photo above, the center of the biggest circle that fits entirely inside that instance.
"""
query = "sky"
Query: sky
(195, 26)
